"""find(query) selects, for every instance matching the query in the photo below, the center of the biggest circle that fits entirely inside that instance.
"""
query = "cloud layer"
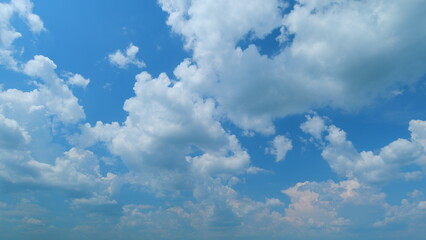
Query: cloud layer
(193, 144)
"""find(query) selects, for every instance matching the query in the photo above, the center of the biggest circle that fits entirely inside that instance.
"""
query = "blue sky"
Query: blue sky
(212, 119)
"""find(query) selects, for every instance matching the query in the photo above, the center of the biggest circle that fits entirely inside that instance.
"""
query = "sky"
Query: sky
(212, 119)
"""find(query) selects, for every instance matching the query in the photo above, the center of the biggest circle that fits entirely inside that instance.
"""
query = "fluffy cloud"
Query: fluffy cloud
(280, 146)
(366, 166)
(314, 125)
(12, 135)
(29, 121)
(322, 205)
(169, 134)
(78, 80)
(369, 48)
(123, 59)
(173, 138)
(54, 94)
(8, 34)
(219, 209)
(24, 8)
(76, 171)
(411, 211)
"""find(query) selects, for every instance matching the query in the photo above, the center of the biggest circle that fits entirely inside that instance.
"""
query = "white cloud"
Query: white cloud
(256, 170)
(280, 146)
(314, 125)
(41, 67)
(169, 135)
(11, 134)
(78, 80)
(370, 48)
(172, 138)
(77, 170)
(97, 204)
(24, 8)
(219, 163)
(8, 34)
(368, 167)
(411, 211)
(31, 220)
(54, 95)
(123, 59)
(322, 204)
(418, 131)
(273, 202)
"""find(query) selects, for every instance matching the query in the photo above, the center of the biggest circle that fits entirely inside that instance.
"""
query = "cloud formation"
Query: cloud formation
(367, 166)
(370, 48)
(177, 165)
(280, 146)
(164, 115)
(8, 34)
(123, 59)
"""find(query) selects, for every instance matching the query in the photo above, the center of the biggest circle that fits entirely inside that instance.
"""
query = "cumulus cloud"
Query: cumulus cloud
(369, 48)
(123, 59)
(173, 138)
(28, 124)
(170, 133)
(314, 125)
(8, 34)
(78, 80)
(11, 134)
(54, 94)
(76, 171)
(322, 204)
(280, 146)
(24, 8)
(411, 210)
(218, 208)
(369, 167)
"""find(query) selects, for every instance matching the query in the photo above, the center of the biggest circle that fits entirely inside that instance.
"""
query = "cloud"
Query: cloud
(411, 211)
(174, 138)
(314, 125)
(55, 95)
(30, 220)
(368, 167)
(170, 135)
(78, 80)
(321, 205)
(97, 204)
(218, 211)
(28, 124)
(280, 146)
(8, 34)
(343, 69)
(124, 59)
(75, 171)
(11, 134)
(24, 8)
